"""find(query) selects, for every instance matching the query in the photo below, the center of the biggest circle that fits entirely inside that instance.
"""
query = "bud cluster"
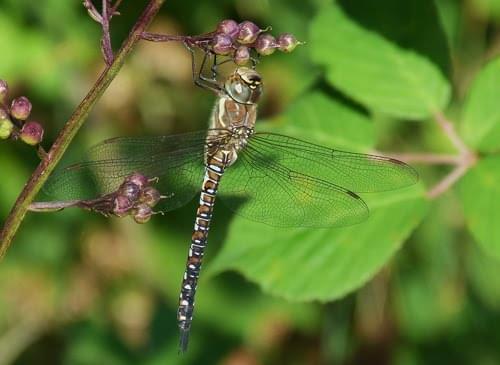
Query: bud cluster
(136, 197)
(237, 40)
(13, 119)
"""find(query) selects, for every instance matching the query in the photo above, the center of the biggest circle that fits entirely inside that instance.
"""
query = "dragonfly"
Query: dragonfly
(270, 178)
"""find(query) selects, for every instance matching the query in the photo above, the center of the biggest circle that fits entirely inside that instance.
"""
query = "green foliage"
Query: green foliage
(480, 193)
(348, 128)
(382, 74)
(321, 264)
(409, 285)
(481, 121)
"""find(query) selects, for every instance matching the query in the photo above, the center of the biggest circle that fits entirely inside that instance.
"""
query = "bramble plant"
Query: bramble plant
(373, 78)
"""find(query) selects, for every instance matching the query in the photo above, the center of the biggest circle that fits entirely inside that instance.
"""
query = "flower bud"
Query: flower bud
(4, 90)
(143, 213)
(139, 180)
(241, 55)
(121, 206)
(222, 44)
(6, 127)
(31, 133)
(150, 196)
(3, 114)
(248, 32)
(229, 27)
(20, 108)
(130, 190)
(287, 42)
(266, 44)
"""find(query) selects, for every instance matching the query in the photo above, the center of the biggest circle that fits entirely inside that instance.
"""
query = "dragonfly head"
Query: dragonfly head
(244, 86)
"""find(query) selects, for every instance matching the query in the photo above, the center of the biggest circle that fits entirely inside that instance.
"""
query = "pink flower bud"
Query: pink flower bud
(130, 190)
(143, 213)
(31, 133)
(4, 90)
(266, 44)
(248, 32)
(287, 42)
(138, 179)
(150, 196)
(229, 27)
(241, 55)
(121, 206)
(20, 108)
(222, 44)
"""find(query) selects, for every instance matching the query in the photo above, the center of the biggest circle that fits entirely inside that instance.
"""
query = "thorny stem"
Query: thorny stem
(70, 129)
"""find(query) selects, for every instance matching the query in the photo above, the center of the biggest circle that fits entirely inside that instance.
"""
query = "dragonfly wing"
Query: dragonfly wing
(357, 172)
(266, 191)
(177, 161)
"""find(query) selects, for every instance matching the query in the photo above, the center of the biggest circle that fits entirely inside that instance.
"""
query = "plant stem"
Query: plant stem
(447, 182)
(449, 130)
(70, 129)
(465, 158)
(462, 161)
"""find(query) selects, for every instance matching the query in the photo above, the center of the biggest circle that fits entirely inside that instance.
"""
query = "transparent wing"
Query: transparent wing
(261, 189)
(353, 171)
(177, 161)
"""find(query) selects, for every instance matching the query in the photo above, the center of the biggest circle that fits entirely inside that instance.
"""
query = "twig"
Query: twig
(451, 133)
(114, 9)
(462, 161)
(104, 19)
(201, 41)
(106, 48)
(53, 206)
(94, 14)
(448, 181)
(70, 129)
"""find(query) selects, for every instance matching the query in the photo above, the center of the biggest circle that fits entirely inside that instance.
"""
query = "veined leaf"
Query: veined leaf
(480, 194)
(481, 123)
(381, 74)
(322, 264)
(328, 121)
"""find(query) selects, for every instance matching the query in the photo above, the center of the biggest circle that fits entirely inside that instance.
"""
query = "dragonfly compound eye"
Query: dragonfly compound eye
(245, 86)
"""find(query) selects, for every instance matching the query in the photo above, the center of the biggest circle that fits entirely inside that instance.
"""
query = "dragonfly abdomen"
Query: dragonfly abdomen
(213, 172)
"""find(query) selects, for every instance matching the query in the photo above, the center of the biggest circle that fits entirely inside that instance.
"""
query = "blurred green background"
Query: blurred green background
(76, 288)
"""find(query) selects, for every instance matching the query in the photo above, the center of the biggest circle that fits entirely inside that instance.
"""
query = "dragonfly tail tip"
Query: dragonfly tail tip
(183, 341)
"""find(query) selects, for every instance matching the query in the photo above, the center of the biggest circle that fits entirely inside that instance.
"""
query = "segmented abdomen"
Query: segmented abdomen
(213, 172)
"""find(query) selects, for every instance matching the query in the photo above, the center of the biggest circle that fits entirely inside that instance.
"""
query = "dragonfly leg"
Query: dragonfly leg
(255, 61)
(198, 78)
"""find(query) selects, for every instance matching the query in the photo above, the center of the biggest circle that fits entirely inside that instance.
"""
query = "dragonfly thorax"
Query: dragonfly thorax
(231, 144)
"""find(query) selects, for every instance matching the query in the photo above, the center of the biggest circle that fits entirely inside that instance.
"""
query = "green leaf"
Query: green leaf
(480, 194)
(321, 264)
(328, 121)
(399, 77)
(484, 276)
(481, 123)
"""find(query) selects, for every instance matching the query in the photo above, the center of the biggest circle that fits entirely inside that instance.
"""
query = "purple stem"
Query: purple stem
(70, 129)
